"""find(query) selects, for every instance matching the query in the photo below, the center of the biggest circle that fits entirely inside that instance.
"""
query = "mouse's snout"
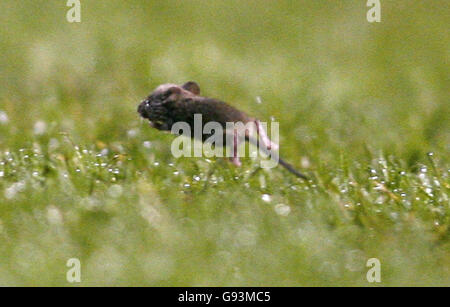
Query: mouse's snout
(142, 108)
(152, 110)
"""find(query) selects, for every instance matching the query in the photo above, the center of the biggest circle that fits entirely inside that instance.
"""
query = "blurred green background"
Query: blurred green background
(360, 106)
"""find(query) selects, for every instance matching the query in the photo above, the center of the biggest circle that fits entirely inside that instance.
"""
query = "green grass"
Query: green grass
(360, 106)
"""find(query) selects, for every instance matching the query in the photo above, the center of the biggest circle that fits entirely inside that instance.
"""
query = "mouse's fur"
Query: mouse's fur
(170, 103)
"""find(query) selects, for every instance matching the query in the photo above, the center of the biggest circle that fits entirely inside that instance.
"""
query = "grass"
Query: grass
(363, 109)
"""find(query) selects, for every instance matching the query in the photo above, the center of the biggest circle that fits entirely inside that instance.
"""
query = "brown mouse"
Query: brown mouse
(171, 103)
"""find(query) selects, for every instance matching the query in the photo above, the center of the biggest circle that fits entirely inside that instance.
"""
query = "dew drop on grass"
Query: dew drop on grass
(54, 215)
(147, 144)
(380, 200)
(266, 198)
(378, 187)
(3, 118)
(2, 173)
(282, 209)
(406, 203)
(15, 188)
(40, 127)
(132, 133)
(305, 162)
(115, 191)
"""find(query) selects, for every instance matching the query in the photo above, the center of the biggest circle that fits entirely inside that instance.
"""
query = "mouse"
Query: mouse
(170, 103)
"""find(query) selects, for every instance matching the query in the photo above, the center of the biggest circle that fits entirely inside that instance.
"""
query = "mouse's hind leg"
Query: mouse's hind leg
(264, 138)
(235, 158)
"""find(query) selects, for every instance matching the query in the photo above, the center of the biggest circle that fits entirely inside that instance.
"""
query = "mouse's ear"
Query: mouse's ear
(173, 93)
(192, 87)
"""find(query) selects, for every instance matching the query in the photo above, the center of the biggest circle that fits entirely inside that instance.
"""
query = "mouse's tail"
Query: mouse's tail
(291, 169)
(274, 156)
